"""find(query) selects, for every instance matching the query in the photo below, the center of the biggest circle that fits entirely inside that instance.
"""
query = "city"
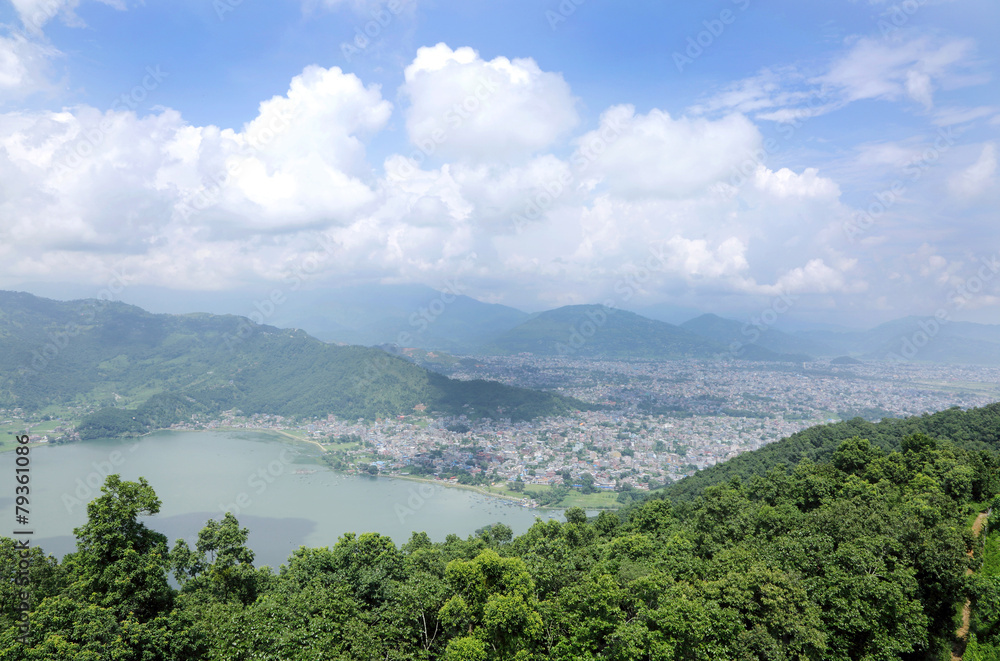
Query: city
(657, 422)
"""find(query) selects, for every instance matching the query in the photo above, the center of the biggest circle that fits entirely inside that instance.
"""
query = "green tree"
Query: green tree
(221, 566)
(119, 562)
(493, 600)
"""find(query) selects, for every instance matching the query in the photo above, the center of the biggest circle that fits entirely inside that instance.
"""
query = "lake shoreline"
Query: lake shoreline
(468, 487)
(288, 436)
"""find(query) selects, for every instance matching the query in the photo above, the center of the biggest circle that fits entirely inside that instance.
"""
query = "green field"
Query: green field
(16, 426)
(973, 387)
(589, 501)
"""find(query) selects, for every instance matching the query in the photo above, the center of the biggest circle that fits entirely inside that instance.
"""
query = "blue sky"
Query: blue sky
(717, 155)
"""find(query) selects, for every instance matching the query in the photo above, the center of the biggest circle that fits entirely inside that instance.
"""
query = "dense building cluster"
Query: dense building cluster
(660, 421)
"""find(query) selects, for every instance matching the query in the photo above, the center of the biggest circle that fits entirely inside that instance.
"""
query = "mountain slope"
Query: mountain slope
(921, 339)
(407, 315)
(729, 331)
(594, 331)
(368, 315)
(115, 354)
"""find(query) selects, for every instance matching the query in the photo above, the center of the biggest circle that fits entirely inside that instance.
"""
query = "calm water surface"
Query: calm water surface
(274, 487)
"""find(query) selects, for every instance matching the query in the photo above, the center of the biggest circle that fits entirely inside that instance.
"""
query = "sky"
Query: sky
(834, 161)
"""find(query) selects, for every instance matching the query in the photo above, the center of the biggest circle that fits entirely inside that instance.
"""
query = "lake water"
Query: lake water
(265, 481)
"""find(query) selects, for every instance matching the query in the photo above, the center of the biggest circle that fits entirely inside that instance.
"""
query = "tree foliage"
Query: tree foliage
(861, 556)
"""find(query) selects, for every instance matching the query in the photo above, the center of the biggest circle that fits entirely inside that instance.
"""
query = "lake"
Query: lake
(273, 486)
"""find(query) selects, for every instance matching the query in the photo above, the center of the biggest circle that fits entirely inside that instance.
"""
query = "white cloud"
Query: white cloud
(23, 67)
(785, 183)
(35, 14)
(465, 108)
(953, 115)
(816, 278)
(979, 177)
(181, 201)
(201, 206)
(901, 69)
(773, 90)
(694, 258)
(878, 69)
(657, 155)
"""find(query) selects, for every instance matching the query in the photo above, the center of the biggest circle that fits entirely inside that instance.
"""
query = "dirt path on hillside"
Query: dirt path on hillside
(958, 647)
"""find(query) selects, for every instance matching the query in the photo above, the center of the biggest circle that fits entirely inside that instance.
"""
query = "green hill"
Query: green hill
(165, 366)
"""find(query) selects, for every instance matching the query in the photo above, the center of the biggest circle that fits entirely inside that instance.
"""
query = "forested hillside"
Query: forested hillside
(596, 331)
(975, 429)
(860, 557)
(161, 368)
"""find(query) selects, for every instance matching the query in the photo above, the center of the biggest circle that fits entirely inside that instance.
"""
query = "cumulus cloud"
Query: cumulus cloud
(465, 108)
(82, 182)
(816, 277)
(784, 183)
(539, 214)
(657, 155)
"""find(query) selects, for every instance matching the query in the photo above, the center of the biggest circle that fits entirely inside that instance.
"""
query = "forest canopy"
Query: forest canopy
(861, 556)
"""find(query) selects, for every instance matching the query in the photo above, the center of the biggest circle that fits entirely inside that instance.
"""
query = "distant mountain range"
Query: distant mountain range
(595, 331)
(741, 336)
(368, 315)
(419, 317)
(922, 339)
(117, 355)
(589, 331)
